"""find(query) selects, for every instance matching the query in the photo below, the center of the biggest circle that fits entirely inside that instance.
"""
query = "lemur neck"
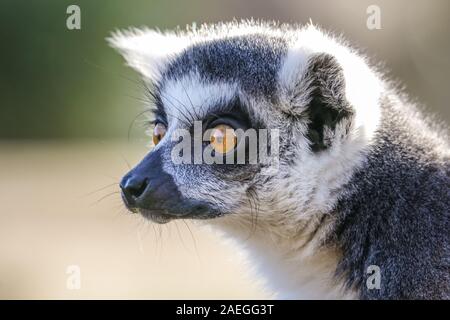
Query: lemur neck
(387, 199)
(295, 267)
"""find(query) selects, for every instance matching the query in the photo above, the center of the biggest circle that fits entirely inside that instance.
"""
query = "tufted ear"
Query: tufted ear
(319, 96)
(329, 112)
(148, 51)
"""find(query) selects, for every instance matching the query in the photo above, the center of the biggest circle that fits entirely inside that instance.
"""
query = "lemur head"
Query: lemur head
(297, 82)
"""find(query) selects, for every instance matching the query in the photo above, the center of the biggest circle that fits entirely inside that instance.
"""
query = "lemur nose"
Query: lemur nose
(133, 187)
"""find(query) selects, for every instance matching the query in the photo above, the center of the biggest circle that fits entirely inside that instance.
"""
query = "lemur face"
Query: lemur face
(212, 85)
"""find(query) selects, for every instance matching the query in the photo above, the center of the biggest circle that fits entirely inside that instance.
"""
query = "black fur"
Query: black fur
(252, 61)
(328, 105)
(149, 188)
(393, 213)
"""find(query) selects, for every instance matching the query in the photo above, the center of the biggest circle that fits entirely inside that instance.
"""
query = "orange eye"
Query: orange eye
(223, 138)
(158, 133)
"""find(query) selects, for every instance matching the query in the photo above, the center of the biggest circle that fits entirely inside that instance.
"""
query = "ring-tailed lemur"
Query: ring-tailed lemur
(362, 182)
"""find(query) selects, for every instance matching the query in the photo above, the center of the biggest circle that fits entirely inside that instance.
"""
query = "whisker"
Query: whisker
(133, 122)
(105, 196)
(152, 96)
(190, 101)
(187, 118)
(191, 116)
(151, 99)
(193, 240)
(254, 209)
(103, 69)
(98, 190)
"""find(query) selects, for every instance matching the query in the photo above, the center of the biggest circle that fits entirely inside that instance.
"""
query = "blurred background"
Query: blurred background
(67, 104)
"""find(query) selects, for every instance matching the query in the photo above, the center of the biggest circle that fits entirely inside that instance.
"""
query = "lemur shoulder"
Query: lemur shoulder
(363, 176)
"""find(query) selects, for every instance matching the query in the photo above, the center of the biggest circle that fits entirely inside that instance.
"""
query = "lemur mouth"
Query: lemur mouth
(163, 216)
(156, 216)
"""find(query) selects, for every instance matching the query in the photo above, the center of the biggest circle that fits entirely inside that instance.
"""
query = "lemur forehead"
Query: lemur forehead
(251, 61)
(190, 98)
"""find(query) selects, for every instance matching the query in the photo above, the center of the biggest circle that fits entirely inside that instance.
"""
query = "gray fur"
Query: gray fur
(376, 197)
(395, 213)
(252, 61)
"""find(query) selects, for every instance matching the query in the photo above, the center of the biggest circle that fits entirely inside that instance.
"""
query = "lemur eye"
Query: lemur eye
(158, 133)
(223, 138)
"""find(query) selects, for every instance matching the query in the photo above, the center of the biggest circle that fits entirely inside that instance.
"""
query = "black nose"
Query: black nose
(133, 187)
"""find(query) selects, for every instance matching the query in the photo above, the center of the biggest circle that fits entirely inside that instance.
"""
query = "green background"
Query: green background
(57, 83)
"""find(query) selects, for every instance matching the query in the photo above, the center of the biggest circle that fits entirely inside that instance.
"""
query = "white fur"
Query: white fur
(191, 97)
(285, 246)
(363, 86)
(296, 268)
(148, 51)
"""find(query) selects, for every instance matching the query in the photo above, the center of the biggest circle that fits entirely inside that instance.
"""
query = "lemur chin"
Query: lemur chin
(362, 180)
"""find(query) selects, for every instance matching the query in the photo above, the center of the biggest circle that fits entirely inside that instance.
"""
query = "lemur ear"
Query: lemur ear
(320, 97)
(148, 51)
(329, 112)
